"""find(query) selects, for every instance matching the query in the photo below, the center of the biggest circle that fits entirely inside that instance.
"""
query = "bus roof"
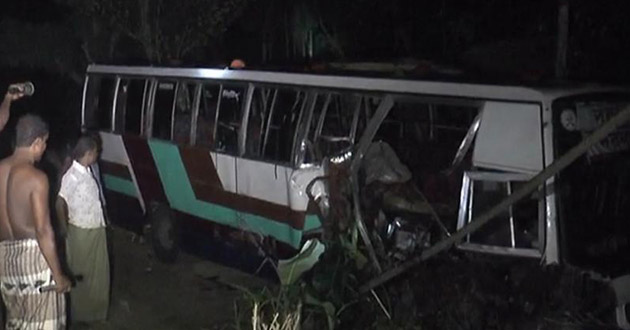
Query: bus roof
(388, 85)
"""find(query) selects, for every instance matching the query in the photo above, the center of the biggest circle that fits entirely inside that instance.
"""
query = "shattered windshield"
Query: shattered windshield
(594, 192)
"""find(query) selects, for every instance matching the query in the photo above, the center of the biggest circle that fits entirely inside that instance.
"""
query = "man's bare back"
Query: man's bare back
(6, 233)
(27, 194)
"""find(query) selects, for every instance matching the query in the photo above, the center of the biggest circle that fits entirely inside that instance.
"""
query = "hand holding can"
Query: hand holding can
(19, 90)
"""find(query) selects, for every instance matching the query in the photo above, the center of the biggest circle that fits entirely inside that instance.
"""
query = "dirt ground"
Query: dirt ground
(189, 294)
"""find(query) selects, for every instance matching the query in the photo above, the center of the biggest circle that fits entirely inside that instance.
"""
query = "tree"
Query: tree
(167, 30)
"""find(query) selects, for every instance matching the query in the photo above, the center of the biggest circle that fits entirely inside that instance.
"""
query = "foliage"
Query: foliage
(167, 30)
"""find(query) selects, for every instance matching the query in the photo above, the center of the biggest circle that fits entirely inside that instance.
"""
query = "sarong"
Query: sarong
(23, 270)
(88, 258)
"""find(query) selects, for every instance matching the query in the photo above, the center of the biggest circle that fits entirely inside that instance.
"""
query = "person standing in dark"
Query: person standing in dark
(28, 254)
(79, 204)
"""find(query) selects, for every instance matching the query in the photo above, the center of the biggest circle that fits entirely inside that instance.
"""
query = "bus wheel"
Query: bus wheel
(164, 233)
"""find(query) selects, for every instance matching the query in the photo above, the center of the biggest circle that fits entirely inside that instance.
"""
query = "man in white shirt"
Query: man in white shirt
(80, 205)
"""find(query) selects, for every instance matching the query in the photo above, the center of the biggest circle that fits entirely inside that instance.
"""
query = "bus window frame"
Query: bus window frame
(147, 85)
(240, 145)
(98, 78)
(192, 131)
(114, 120)
(148, 129)
(465, 215)
(302, 95)
(195, 113)
(300, 135)
(86, 81)
(143, 107)
(156, 83)
(272, 108)
(242, 133)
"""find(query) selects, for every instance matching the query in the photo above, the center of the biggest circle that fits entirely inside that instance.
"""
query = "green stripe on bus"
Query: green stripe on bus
(181, 197)
(312, 222)
(119, 185)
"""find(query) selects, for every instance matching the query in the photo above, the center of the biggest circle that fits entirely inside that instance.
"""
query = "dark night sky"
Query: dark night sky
(498, 40)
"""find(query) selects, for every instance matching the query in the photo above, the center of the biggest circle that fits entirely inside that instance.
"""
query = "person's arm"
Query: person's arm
(44, 232)
(5, 107)
(4, 110)
(62, 214)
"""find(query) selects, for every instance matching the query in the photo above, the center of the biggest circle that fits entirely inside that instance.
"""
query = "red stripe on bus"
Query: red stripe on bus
(145, 169)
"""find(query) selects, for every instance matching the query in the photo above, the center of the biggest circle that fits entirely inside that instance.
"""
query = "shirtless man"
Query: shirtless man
(6, 106)
(28, 255)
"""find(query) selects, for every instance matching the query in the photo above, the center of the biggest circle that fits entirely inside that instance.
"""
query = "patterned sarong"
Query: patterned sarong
(23, 270)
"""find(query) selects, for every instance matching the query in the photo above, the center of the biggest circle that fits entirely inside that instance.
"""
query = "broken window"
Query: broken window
(426, 133)
(272, 124)
(229, 119)
(517, 228)
(182, 116)
(163, 110)
(337, 123)
(258, 112)
(207, 115)
(99, 103)
(129, 106)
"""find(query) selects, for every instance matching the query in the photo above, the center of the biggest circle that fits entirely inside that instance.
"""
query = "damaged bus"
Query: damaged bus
(231, 160)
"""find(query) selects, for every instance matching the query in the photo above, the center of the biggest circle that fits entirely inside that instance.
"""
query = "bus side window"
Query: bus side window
(183, 113)
(229, 123)
(280, 128)
(338, 127)
(515, 228)
(163, 110)
(258, 118)
(130, 105)
(207, 115)
(99, 102)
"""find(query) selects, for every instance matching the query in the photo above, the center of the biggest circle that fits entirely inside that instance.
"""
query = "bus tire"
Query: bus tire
(164, 233)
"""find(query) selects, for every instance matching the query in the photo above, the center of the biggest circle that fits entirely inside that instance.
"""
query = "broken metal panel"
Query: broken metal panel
(467, 141)
(290, 270)
(381, 112)
(509, 138)
(300, 180)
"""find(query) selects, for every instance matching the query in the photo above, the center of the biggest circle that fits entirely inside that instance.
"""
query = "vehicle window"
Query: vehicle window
(99, 102)
(130, 105)
(163, 109)
(281, 130)
(515, 228)
(183, 113)
(229, 123)
(207, 115)
(258, 114)
(592, 191)
(337, 123)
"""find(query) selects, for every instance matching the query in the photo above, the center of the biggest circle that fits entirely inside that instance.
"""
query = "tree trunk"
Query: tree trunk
(562, 39)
